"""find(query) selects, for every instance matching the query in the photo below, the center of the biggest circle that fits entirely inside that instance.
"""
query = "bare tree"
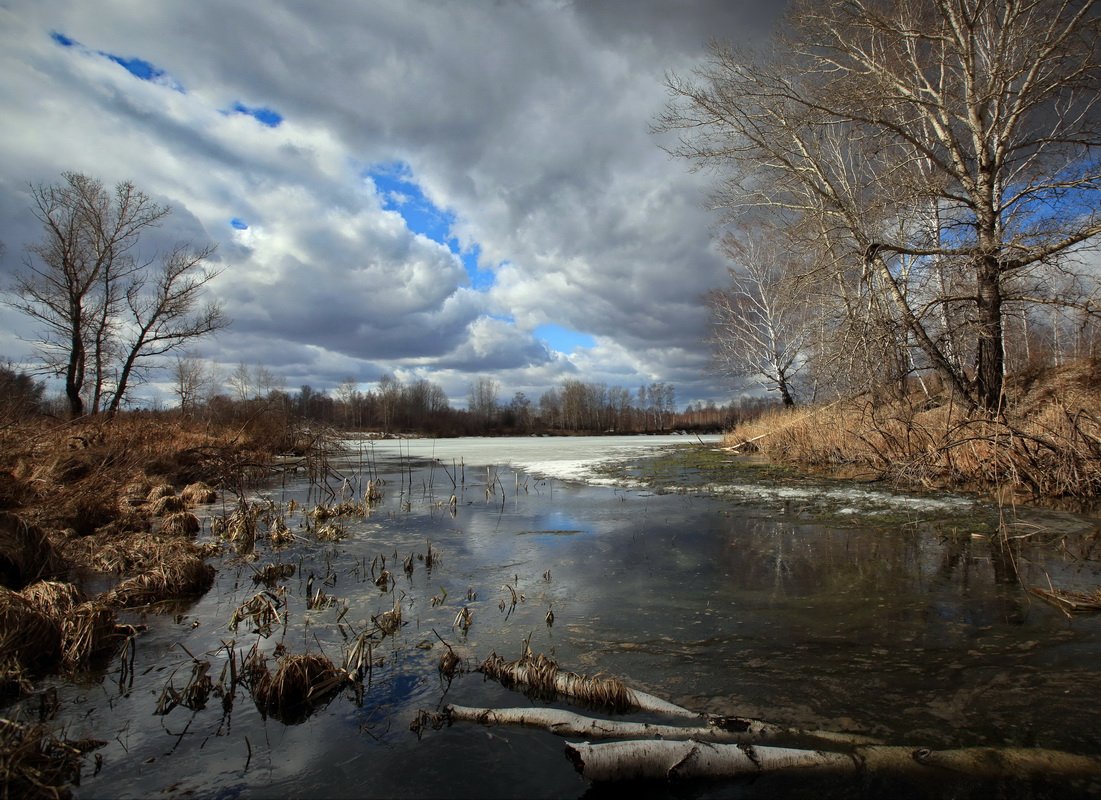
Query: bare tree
(762, 322)
(482, 400)
(166, 315)
(959, 134)
(100, 310)
(193, 378)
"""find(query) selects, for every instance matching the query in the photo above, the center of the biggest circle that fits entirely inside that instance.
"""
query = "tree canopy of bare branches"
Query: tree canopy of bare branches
(105, 315)
(940, 155)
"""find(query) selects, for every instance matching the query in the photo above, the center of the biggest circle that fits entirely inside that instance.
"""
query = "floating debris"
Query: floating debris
(1069, 602)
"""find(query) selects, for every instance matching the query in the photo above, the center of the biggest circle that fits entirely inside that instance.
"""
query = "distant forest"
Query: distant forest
(395, 408)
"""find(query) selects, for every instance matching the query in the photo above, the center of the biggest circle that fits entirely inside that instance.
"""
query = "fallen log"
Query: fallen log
(730, 730)
(664, 760)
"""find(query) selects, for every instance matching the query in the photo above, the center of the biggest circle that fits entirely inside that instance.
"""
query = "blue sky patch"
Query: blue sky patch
(263, 115)
(138, 67)
(239, 224)
(400, 193)
(564, 340)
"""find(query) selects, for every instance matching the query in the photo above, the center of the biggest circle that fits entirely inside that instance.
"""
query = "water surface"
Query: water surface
(811, 604)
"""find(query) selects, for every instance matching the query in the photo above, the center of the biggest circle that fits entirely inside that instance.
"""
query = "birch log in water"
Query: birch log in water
(731, 730)
(660, 760)
(704, 750)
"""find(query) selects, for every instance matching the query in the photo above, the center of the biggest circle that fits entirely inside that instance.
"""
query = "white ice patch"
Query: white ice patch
(852, 500)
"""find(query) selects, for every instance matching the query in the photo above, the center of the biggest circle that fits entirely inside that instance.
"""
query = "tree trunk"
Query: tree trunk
(990, 361)
(74, 375)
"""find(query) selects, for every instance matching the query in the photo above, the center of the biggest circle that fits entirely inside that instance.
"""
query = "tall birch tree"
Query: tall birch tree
(921, 137)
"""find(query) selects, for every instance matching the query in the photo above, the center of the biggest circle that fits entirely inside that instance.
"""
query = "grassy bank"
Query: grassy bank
(1046, 444)
(103, 502)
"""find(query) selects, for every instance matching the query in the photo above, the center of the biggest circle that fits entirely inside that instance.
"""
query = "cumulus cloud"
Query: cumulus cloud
(522, 126)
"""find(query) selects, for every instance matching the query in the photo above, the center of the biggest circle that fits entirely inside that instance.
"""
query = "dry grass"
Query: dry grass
(34, 763)
(541, 676)
(1046, 444)
(168, 504)
(198, 493)
(89, 632)
(261, 612)
(159, 491)
(299, 685)
(26, 554)
(28, 634)
(181, 575)
(55, 598)
(181, 523)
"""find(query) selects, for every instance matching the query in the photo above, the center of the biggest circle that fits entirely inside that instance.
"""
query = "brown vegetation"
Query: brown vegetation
(100, 494)
(300, 684)
(1046, 443)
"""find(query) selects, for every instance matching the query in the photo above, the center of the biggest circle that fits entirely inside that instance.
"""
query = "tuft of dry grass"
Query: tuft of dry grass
(180, 523)
(181, 575)
(300, 684)
(55, 598)
(27, 633)
(88, 632)
(198, 493)
(261, 611)
(167, 504)
(159, 491)
(26, 553)
(34, 763)
(541, 676)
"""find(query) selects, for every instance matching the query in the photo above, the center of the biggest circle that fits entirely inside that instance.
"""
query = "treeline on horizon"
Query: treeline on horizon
(422, 408)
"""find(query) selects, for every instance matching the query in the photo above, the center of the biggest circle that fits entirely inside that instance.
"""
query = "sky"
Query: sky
(427, 189)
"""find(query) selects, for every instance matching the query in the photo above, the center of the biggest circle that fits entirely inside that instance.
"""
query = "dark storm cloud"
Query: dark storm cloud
(525, 122)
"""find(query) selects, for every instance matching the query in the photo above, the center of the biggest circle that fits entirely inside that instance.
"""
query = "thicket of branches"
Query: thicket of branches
(913, 190)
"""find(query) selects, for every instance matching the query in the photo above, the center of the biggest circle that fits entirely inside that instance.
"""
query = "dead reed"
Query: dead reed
(55, 598)
(198, 493)
(300, 684)
(34, 763)
(88, 633)
(261, 612)
(180, 523)
(28, 634)
(26, 554)
(389, 622)
(270, 574)
(166, 504)
(542, 677)
(1070, 602)
(193, 695)
(182, 575)
(1047, 443)
(159, 491)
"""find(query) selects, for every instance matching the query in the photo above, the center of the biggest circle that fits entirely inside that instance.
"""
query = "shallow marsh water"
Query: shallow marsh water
(813, 604)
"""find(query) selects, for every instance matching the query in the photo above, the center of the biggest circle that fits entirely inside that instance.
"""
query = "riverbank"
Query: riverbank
(95, 518)
(1046, 445)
